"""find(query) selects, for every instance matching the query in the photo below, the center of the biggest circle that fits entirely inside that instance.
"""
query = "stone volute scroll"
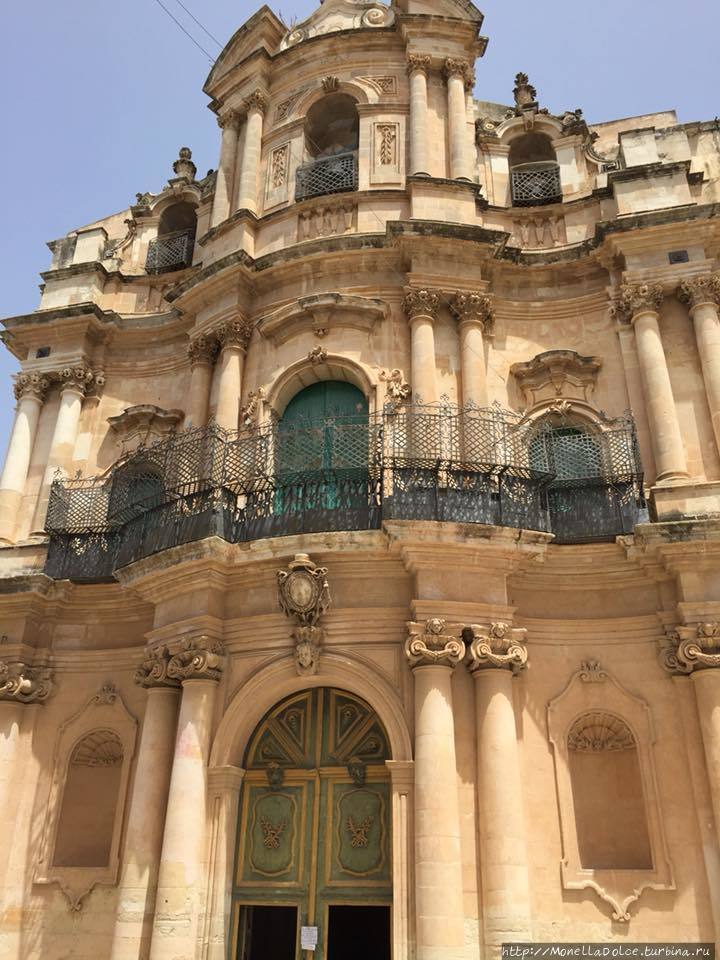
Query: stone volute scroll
(304, 596)
(694, 647)
(22, 683)
(498, 645)
(153, 671)
(434, 642)
(199, 658)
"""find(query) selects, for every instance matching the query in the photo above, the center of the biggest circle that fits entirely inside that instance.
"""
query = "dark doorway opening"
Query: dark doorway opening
(357, 933)
(267, 933)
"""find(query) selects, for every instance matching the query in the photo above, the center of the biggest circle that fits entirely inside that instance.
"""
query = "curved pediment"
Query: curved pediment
(321, 313)
(336, 15)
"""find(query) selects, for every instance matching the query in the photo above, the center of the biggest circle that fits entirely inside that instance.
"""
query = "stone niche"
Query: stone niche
(143, 425)
(557, 375)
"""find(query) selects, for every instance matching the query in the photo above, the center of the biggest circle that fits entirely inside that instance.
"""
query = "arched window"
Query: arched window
(607, 793)
(173, 248)
(332, 132)
(90, 798)
(534, 171)
(136, 488)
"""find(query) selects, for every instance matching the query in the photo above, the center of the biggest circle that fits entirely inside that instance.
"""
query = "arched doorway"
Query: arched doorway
(322, 458)
(314, 847)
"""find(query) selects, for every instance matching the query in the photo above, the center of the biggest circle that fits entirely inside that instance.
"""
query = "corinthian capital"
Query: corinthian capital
(457, 67)
(698, 647)
(235, 333)
(202, 350)
(699, 290)
(498, 645)
(199, 658)
(434, 643)
(637, 298)
(153, 671)
(421, 303)
(256, 101)
(75, 378)
(230, 118)
(473, 308)
(24, 684)
(31, 385)
(418, 62)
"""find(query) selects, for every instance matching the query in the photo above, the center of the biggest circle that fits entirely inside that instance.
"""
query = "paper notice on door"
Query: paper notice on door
(308, 938)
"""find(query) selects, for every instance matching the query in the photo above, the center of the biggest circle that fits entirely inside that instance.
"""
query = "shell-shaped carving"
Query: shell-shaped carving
(101, 748)
(598, 731)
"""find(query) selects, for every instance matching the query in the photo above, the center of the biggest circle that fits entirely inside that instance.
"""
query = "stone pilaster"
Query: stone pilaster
(702, 295)
(421, 307)
(497, 652)
(640, 304)
(433, 649)
(474, 313)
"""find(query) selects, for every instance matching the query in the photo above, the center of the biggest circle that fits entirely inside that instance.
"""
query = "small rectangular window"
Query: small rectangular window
(678, 256)
(42, 352)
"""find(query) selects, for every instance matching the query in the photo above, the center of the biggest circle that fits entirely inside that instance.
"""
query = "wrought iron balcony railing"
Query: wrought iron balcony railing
(171, 252)
(535, 184)
(485, 466)
(336, 174)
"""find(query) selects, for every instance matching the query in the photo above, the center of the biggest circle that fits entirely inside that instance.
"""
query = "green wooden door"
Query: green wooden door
(322, 449)
(314, 822)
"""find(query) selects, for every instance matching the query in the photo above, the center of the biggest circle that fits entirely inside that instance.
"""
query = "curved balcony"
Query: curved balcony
(535, 184)
(411, 463)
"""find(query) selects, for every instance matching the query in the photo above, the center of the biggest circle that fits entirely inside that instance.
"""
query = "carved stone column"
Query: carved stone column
(418, 67)
(702, 295)
(434, 649)
(255, 107)
(224, 785)
(640, 304)
(474, 314)
(137, 885)
(421, 307)
(198, 666)
(498, 652)
(74, 382)
(234, 338)
(460, 78)
(229, 123)
(698, 653)
(202, 352)
(30, 390)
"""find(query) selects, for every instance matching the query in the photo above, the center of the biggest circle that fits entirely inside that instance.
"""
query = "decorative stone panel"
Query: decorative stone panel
(331, 218)
(388, 151)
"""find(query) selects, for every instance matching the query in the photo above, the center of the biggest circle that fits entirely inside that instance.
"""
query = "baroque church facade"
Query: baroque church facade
(360, 526)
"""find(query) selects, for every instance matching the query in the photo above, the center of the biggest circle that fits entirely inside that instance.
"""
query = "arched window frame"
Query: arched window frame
(104, 711)
(593, 689)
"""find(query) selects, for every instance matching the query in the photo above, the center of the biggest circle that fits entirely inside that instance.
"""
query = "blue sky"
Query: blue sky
(97, 98)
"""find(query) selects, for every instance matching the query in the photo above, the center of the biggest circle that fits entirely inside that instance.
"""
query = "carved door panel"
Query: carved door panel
(315, 814)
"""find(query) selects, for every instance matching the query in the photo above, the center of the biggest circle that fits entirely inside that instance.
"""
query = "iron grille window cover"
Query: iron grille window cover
(336, 174)
(171, 252)
(421, 462)
(535, 184)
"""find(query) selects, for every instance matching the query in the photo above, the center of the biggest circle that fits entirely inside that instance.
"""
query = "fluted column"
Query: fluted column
(181, 876)
(30, 390)
(474, 314)
(202, 353)
(137, 885)
(418, 66)
(497, 652)
(433, 650)
(255, 107)
(640, 304)
(224, 785)
(702, 295)
(234, 338)
(698, 653)
(421, 308)
(459, 77)
(74, 382)
(229, 123)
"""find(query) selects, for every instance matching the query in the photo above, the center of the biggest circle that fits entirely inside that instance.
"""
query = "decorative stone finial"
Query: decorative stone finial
(22, 683)
(421, 303)
(304, 596)
(697, 290)
(199, 658)
(524, 92)
(183, 166)
(434, 643)
(498, 645)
